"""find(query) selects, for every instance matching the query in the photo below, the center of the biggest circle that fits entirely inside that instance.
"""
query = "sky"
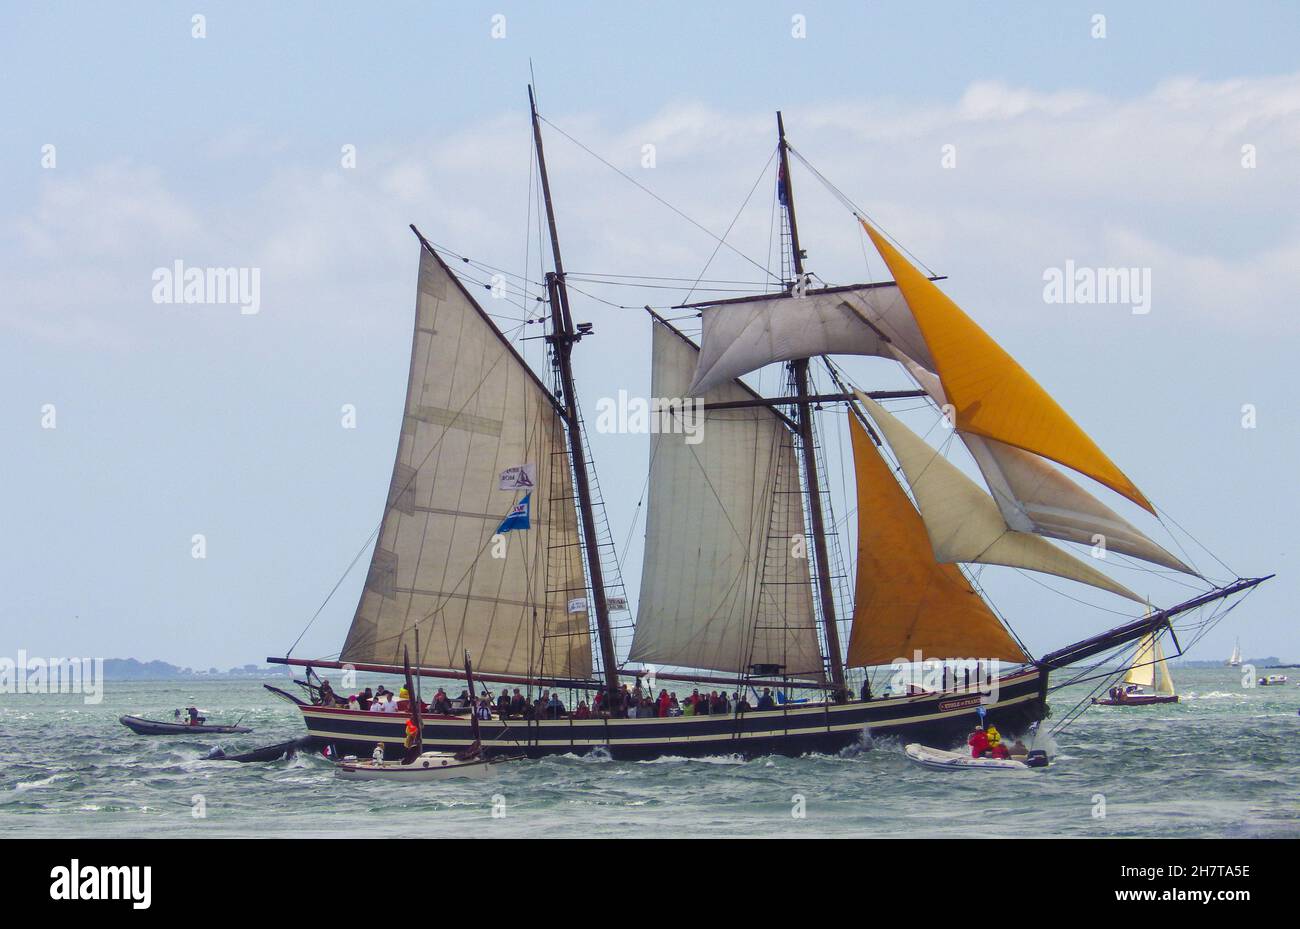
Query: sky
(995, 143)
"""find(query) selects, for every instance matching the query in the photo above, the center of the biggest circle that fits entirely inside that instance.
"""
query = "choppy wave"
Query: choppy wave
(73, 770)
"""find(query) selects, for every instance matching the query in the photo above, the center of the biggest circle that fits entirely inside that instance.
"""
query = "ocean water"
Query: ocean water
(1223, 762)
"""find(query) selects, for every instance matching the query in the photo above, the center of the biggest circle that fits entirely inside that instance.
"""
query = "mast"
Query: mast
(803, 406)
(562, 338)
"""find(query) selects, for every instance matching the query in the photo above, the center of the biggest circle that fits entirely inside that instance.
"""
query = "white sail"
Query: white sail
(964, 523)
(473, 410)
(1036, 497)
(724, 584)
(1149, 668)
(743, 336)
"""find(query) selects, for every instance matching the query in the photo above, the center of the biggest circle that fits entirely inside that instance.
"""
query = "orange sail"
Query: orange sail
(994, 397)
(906, 601)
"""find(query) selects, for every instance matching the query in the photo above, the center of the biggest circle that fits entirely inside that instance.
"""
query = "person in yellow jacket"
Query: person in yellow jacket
(996, 748)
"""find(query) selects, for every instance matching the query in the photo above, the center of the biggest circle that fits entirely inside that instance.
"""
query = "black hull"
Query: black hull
(155, 727)
(940, 720)
(1147, 700)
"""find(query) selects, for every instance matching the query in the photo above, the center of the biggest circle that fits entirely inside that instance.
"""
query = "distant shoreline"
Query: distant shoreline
(132, 669)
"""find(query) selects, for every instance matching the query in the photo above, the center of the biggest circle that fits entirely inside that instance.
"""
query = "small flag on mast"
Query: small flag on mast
(518, 518)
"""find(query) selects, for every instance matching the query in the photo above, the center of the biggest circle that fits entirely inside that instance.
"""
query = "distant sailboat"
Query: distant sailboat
(1147, 681)
(1235, 660)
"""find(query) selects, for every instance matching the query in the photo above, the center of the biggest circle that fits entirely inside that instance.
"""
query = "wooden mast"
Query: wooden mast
(562, 338)
(803, 406)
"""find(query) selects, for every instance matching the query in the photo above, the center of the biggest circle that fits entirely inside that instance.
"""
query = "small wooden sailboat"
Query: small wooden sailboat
(1147, 681)
(418, 766)
(942, 760)
(1234, 661)
(142, 726)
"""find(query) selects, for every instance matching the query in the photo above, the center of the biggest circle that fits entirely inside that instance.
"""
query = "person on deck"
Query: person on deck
(403, 700)
(412, 743)
(326, 693)
(866, 690)
(978, 742)
(765, 702)
(583, 711)
(195, 719)
(674, 708)
(996, 748)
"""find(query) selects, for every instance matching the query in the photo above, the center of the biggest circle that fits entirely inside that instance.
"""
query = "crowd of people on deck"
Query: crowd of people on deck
(634, 702)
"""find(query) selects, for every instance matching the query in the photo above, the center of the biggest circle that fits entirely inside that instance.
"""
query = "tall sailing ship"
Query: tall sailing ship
(737, 586)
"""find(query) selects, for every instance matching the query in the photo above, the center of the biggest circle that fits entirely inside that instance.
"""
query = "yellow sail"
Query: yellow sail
(905, 601)
(1149, 668)
(964, 523)
(993, 395)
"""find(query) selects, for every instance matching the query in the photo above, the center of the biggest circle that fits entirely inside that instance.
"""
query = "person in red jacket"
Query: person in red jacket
(978, 742)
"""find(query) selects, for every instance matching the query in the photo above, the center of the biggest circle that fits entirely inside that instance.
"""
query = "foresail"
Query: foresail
(904, 600)
(744, 335)
(473, 409)
(964, 523)
(1142, 669)
(992, 394)
(722, 586)
(1036, 497)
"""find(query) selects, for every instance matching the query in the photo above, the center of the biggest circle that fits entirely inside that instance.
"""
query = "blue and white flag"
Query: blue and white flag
(518, 518)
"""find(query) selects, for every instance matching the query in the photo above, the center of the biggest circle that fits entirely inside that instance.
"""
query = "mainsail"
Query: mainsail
(905, 601)
(1149, 668)
(964, 523)
(473, 410)
(993, 395)
(725, 584)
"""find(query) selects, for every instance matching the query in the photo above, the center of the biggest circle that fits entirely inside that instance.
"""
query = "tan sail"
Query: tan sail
(473, 409)
(904, 600)
(963, 522)
(993, 395)
(744, 335)
(723, 586)
(1149, 668)
(1036, 497)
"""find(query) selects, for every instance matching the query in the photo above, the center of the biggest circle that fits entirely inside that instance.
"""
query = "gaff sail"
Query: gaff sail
(723, 586)
(473, 409)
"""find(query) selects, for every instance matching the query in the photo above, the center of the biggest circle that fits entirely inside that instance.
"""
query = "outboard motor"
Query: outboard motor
(1037, 758)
